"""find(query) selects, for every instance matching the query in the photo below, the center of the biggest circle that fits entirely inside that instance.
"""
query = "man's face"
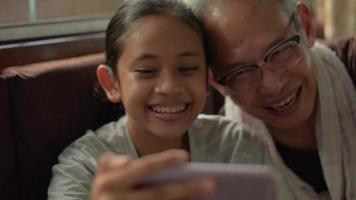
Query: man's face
(242, 33)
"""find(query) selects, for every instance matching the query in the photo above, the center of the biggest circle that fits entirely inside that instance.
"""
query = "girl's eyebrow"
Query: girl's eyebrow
(147, 56)
(188, 54)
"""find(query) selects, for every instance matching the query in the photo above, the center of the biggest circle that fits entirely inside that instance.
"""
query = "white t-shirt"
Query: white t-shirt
(211, 139)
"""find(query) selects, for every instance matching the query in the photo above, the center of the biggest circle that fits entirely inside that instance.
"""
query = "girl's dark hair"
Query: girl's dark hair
(133, 10)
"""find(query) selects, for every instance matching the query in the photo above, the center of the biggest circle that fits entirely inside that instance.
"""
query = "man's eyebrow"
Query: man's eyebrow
(274, 42)
(277, 40)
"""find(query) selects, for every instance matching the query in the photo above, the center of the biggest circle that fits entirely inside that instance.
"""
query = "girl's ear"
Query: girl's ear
(215, 84)
(307, 23)
(109, 83)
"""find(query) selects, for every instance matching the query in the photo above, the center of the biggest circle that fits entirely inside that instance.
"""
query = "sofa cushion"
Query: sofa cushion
(52, 104)
(8, 179)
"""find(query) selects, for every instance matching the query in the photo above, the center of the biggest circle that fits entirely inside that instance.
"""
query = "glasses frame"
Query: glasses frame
(295, 38)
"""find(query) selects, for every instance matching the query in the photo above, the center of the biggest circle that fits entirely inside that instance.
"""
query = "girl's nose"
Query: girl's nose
(169, 84)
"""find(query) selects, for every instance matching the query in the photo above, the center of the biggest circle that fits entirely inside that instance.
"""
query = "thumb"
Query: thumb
(110, 161)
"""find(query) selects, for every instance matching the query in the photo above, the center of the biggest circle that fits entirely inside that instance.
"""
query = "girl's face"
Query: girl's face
(161, 77)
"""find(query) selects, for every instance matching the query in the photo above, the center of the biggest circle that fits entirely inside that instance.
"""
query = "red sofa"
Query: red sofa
(45, 106)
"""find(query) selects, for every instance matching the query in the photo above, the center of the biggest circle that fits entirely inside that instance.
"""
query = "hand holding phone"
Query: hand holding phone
(233, 181)
(118, 175)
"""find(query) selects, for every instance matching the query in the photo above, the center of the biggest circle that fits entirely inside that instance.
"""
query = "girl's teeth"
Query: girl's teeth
(169, 109)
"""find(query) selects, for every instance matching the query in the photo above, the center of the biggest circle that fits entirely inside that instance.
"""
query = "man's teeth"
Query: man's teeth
(285, 103)
(169, 109)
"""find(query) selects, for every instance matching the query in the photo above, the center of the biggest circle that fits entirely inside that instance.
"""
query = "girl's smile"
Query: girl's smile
(170, 112)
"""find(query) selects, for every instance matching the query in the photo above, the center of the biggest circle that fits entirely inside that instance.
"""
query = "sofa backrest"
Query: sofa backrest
(51, 104)
(8, 183)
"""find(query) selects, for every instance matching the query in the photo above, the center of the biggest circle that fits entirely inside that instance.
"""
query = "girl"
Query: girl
(156, 67)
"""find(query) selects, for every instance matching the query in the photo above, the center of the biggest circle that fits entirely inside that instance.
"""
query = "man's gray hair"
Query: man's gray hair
(202, 6)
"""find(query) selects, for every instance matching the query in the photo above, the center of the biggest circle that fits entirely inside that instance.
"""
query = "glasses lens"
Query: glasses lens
(244, 80)
(287, 55)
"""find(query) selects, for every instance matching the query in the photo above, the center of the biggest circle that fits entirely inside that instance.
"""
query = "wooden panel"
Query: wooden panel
(50, 49)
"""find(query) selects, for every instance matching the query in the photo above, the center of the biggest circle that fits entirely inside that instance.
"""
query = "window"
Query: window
(29, 19)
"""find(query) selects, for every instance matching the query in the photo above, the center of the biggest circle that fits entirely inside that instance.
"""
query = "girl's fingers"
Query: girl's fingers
(177, 190)
(118, 175)
(152, 163)
(131, 173)
(110, 161)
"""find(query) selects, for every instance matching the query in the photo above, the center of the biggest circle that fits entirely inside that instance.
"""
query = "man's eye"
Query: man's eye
(282, 55)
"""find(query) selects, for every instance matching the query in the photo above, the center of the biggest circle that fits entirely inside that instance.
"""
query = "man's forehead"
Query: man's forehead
(211, 5)
(239, 18)
(238, 27)
(242, 8)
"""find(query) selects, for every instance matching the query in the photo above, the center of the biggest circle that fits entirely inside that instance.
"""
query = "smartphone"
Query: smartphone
(234, 181)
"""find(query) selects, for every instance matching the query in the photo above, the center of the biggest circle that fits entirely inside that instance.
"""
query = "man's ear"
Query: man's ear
(307, 23)
(215, 84)
(109, 83)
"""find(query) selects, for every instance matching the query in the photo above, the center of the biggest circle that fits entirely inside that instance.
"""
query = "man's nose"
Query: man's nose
(270, 82)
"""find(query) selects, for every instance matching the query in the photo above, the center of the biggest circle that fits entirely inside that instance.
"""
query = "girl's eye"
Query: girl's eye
(145, 71)
(188, 69)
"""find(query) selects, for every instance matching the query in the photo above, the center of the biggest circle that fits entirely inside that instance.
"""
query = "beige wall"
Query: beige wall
(13, 11)
(51, 9)
(17, 23)
(17, 11)
(338, 16)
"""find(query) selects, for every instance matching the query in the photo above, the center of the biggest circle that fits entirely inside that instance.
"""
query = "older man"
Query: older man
(266, 60)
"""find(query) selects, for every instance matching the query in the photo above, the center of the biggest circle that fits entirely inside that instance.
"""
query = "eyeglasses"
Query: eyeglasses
(246, 78)
(281, 57)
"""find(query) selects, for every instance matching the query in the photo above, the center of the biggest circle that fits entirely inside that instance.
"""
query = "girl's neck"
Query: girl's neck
(149, 144)
(302, 137)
